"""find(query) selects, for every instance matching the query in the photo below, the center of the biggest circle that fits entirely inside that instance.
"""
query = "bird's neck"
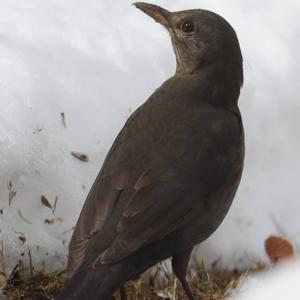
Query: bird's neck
(223, 79)
(233, 68)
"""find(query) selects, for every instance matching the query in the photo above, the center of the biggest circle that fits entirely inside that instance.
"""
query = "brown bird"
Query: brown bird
(173, 170)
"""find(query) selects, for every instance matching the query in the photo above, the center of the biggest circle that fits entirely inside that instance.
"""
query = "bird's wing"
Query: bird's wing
(157, 207)
(168, 193)
(97, 209)
(166, 198)
(98, 206)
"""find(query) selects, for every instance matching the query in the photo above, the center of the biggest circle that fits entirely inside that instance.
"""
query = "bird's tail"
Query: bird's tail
(93, 283)
(100, 282)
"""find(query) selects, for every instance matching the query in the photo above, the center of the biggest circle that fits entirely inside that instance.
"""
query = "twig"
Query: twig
(278, 227)
(63, 119)
(30, 262)
(175, 289)
(23, 218)
(54, 206)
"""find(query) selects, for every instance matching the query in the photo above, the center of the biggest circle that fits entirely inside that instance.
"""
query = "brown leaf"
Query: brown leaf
(80, 156)
(45, 201)
(11, 192)
(22, 237)
(278, 248)
(51, 221)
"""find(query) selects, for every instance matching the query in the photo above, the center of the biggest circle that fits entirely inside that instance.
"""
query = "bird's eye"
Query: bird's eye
(188, 27)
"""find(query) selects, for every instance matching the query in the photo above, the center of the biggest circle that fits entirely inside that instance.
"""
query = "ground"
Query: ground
(212, 285)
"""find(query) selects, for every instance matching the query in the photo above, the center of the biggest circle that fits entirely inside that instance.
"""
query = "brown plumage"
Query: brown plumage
(172, 172)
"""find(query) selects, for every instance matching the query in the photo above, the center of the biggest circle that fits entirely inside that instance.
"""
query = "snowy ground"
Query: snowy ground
(96, 61)
(280, 283)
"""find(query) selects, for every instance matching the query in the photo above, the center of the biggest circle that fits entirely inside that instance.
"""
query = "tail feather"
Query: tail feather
(93, 284)
(101, 282)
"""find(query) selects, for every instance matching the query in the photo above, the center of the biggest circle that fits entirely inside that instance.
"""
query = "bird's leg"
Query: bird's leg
(123, 292)
(180, 264)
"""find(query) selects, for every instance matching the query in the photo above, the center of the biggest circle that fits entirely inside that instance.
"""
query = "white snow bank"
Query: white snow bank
(280, 283)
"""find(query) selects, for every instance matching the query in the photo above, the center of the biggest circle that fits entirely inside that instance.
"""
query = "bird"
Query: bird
(172, 172)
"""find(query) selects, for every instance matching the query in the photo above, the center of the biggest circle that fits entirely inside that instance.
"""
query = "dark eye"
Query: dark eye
(188, 27)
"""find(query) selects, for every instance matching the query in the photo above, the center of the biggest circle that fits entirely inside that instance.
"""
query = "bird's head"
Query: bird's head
(199, 37)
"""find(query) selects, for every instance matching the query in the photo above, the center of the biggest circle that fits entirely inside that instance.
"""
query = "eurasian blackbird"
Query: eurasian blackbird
(173, 170)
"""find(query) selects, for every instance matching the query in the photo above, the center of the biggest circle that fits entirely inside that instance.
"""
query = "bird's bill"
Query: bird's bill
(158, 13)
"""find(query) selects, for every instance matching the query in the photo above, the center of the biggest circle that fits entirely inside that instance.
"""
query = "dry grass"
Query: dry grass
(39, 286)
(43, 286)
(216, 288)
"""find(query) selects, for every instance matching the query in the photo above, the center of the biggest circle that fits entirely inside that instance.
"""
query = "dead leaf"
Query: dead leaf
(51, 221)
(278, 249)
(22, 236)
(45, 201)
(80, 156)
(11, 192)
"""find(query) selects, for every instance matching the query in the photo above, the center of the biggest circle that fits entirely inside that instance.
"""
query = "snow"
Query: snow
(96, 61)
(279, 283)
